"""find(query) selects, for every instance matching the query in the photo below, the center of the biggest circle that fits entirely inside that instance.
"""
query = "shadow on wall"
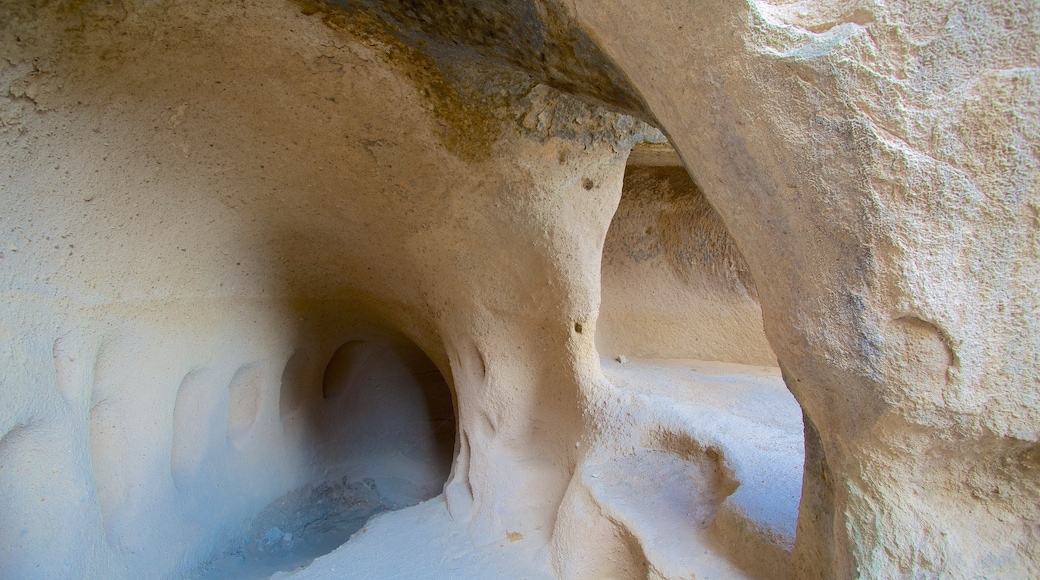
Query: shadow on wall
(378, 408)
(321, 404)
(251, 397)
(366, 416)
(359, 394)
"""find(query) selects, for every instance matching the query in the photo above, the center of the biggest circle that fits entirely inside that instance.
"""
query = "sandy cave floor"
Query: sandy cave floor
(745, 411)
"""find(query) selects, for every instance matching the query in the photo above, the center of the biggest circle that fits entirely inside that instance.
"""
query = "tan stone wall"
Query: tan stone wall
(192, 192)
(674, 285)
(195, 189)
(874, 164)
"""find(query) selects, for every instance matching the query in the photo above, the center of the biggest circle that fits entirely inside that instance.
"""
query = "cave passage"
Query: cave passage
(666, 236)
(680, 332)
(380, 432)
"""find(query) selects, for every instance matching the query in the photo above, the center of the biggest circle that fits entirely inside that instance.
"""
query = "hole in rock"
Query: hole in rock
(674, 283)
(377, 426)
(680, 330)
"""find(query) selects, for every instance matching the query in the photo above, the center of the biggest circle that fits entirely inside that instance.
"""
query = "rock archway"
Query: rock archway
(852, 150)
(203, 203)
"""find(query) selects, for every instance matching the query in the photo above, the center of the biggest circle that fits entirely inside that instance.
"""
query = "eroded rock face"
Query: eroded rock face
(203, 204)
(875, 165)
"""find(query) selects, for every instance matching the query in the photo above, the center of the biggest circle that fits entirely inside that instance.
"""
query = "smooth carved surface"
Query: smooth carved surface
(205, 203)
(230, 185)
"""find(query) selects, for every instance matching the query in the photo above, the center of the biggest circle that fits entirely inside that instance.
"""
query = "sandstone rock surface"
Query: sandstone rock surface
(249, 247)
(876, 165)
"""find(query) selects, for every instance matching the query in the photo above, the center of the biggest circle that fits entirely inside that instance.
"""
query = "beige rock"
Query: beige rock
(875, 165)
(673, 283)
(265, 189)
(241, 245)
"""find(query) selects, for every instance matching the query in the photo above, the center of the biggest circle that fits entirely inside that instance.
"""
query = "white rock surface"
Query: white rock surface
(694, 471)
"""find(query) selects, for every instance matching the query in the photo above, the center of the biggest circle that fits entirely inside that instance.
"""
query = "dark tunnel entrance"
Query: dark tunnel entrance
(378, 421)
(386, 414)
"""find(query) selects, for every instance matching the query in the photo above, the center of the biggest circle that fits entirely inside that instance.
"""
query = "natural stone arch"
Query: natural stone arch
(854, 152)
(876, 247)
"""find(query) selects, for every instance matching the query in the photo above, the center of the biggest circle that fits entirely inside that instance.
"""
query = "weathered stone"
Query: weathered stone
(242, 243)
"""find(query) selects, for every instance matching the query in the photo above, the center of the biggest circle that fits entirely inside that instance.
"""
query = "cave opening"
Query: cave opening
(680, 330)
(376, 422)
(674, 284)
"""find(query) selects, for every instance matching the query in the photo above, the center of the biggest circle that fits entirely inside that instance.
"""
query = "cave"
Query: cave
(377, 427)
(520, 289)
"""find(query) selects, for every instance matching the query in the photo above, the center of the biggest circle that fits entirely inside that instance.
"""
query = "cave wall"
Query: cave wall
(197, 197)
(876, 166)
(202, 202)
